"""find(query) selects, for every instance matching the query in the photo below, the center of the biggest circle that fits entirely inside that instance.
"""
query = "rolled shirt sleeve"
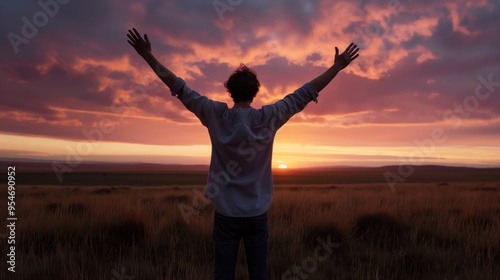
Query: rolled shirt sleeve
(200, 105)
(293, 103)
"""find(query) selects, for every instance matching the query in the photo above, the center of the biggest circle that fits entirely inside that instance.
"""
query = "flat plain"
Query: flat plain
(435, 228)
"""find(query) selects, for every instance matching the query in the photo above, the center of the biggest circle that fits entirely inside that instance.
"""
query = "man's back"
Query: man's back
(240, 181)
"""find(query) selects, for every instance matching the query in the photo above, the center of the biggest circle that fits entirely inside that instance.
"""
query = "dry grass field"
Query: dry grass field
(420, 231)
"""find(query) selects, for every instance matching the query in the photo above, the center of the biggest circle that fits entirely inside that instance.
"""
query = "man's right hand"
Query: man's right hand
(141, 45)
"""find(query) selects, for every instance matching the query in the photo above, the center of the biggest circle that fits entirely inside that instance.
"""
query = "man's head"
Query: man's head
(242, 84)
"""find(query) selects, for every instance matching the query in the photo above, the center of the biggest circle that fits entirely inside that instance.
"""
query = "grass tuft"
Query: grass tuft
(380, 230)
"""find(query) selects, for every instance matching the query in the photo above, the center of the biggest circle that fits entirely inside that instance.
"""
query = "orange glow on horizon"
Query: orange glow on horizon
(298, 155)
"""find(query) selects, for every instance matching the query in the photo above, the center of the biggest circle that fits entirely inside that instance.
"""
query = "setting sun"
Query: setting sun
(282, 166)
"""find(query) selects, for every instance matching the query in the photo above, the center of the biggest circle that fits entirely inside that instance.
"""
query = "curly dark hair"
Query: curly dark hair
(242, 84)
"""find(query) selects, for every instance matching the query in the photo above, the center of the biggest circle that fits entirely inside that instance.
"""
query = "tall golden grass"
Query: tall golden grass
(420, 231)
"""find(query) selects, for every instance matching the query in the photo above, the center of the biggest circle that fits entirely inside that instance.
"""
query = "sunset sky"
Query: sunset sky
(425, 89)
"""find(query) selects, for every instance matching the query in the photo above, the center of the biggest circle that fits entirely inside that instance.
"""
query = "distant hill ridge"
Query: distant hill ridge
(29, 165)
(150, 174)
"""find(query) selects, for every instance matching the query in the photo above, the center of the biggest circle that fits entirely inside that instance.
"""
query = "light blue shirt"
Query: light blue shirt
(240, 181)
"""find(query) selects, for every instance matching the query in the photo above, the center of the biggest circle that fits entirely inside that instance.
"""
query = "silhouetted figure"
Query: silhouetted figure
(240, 182)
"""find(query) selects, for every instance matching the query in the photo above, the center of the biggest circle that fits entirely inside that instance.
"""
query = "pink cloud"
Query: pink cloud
(421, 59)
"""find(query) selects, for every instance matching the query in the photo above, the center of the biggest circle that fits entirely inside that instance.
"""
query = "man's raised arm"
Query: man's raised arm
(341, 62)
(143, 48)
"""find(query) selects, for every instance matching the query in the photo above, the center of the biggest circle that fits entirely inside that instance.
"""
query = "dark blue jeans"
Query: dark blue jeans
(228, 231)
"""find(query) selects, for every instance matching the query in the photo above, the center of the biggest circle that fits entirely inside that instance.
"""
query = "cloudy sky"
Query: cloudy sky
(425, 89)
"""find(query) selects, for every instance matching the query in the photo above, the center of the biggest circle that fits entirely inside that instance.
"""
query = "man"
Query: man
(240, 182)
